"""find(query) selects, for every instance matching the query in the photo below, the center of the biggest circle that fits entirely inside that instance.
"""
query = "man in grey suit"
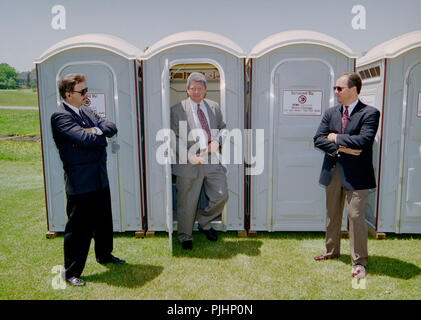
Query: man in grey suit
(196, 123)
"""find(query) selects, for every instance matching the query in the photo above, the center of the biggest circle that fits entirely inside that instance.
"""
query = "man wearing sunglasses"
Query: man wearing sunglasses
(346, 135)
(80, 136)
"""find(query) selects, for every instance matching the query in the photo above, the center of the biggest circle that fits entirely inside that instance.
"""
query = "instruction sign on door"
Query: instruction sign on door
(302, 102)
(96, 101)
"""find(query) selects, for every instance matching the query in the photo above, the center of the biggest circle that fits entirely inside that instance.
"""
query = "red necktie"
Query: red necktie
(345, 119)
(203, 122)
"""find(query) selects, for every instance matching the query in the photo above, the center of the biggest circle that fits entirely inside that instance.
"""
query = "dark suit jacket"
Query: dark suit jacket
(182, 112)
(356, 172)
(83, 154)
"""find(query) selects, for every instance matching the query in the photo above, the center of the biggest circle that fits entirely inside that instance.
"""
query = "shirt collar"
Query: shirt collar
(194, 105)
(352, 106)
(75, 109)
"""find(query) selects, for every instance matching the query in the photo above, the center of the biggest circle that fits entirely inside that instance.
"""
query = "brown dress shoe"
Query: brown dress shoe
(323, 257)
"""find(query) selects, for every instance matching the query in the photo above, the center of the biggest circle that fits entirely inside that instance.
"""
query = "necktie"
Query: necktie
(345, 119)
(203, 122)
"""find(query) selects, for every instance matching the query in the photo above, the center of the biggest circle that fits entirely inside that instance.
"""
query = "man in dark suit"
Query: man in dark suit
(346, 135)
(80, 136)
(197, 162)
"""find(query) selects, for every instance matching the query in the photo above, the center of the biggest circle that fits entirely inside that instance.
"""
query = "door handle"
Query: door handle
(114, 146)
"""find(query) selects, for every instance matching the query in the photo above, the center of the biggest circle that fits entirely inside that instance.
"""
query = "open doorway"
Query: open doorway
(178, 80)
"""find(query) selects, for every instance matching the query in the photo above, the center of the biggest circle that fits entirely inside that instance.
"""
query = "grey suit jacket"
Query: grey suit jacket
(182, 117)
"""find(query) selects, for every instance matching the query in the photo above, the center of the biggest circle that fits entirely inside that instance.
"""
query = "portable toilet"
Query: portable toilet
(391, 74)
(110, 66)
(166, 67)
(292, 75)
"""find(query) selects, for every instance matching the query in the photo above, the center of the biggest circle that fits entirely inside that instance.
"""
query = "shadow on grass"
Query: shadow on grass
(221, 249)
(127, 275)
(385, 266)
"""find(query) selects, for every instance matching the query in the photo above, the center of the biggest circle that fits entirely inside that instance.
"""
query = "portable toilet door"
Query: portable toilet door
(166, 67)
(109, 65)
(372, 90)
(399, 190)
(292, 79)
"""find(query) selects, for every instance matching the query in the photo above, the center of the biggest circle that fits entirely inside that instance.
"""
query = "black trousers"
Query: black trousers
(89, 216)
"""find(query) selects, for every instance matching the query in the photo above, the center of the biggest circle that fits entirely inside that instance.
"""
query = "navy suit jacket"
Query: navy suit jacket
(356, 172)
(83, 154)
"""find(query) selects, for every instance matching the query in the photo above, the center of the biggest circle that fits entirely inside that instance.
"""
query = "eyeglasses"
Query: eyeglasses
(196, 89)
(83, 91)
(339, 88)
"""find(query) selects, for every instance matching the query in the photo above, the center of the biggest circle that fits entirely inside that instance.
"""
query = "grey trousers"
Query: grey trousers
(214, 179)
(358, 229)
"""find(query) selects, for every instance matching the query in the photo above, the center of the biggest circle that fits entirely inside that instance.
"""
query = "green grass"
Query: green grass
(18, 98)
(269, 266)
(19, 122)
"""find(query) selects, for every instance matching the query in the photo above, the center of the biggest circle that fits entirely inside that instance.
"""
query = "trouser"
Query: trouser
(358, 229)
(89, 215)
(214, 180)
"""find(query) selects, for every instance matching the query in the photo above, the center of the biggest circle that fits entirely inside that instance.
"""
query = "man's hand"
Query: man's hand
(332, 137)
(90, 130)
(196, 159)
(213, 146)
(353, 152)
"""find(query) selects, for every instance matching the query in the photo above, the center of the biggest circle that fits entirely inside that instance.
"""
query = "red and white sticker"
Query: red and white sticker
(96, 101)
(302, 102)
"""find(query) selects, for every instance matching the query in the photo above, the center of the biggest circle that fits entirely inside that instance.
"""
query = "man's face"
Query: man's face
(347, 95)
(76, 98)
(196, 91)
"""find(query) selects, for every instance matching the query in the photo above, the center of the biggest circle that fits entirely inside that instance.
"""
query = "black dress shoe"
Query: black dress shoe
(187, 244)
(76, 282)
(111, 259)
(210, 234)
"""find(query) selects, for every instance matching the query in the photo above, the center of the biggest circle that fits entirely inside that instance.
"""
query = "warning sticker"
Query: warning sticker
(302, 102)
(96, 101)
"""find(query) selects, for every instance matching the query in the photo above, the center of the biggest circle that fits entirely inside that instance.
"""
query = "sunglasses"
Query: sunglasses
(338, 88)
(83, 91)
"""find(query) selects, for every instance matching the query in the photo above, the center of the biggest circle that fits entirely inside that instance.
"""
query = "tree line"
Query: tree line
(9, 78)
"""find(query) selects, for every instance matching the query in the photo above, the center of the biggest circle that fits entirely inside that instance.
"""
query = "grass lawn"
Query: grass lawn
(19, 122)
(18, 98)
(270, 266)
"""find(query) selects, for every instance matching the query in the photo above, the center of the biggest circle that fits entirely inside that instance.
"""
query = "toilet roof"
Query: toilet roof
(392, 48)
(196, 38)
(101, 41)
(287, 38)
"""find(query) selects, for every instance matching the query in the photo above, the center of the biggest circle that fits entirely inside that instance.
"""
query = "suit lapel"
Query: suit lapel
(189, 113)
(354, 117)
(337, 121)
(75, 116)
(211, 116)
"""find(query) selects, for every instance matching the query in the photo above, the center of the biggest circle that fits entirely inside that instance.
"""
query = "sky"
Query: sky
(26, 29)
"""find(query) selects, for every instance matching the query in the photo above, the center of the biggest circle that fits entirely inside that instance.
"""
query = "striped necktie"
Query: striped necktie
(203, 122)
(345, 118)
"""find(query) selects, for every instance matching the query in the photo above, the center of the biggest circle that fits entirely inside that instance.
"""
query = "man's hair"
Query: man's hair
(196, 76)
(354, 80)
(67, 83)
